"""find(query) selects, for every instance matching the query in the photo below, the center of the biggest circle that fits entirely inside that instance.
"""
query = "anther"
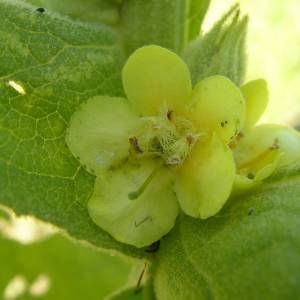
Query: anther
(190, 139)
(170, 115)
(135, 144)
(275, 145)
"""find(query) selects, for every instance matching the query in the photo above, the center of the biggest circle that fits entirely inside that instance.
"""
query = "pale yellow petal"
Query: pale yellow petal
(131, 219)
(267, 138)
(256, 96)
(203, 184)
(218, 106)
(156, 80)
(99, 131)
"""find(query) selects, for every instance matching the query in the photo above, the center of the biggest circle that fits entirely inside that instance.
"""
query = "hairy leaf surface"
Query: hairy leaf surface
(251, 250)
(58, 64)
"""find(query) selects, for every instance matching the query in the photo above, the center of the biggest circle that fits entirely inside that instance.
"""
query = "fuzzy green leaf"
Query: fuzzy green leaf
(167, 23)
(103, 11)
(251, 250)
(59, 64)
(196, 13)
(71, 270)
(221, 51)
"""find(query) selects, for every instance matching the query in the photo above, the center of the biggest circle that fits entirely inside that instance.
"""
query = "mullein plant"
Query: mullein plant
(172, 147)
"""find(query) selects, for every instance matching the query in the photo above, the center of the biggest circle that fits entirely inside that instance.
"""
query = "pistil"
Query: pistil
(135, 194)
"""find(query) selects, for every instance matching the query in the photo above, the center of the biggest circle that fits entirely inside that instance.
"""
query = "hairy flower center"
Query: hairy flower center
(169, 137)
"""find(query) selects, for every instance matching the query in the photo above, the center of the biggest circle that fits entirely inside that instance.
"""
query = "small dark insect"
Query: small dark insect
(40, 10)
(251, 211)
(250, 176)
(154, 247)
(224, 123)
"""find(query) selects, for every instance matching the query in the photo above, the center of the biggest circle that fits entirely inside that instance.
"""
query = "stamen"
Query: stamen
(276, 145)
(169, 137)
(170, 115)
(135, 144)
(135, 194)
(190, 139)
(258, 162)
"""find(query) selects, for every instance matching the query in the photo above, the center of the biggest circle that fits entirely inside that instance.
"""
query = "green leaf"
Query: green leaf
(196, 14)
(168, 23)
(96, 11)
(221, 51)
(73, 271)
(59, 64)
(251, 250)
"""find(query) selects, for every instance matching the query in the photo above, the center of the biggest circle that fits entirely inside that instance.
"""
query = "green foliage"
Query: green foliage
(59, 64)
(74, 271)
(104, 11)
(249, 251)
(168, 23)
(196, 13)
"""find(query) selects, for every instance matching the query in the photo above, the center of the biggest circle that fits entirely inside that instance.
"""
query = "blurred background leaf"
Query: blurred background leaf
(60, 269)
(273, 51)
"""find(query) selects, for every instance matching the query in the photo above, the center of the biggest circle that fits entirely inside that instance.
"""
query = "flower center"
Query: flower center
(168, 136)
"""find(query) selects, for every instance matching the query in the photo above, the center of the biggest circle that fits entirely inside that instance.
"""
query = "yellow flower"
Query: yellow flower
(260, 150)
(166, 145)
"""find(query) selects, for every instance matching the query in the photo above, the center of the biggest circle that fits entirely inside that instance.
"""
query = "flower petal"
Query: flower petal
(253, 173)
(218, 106)
(156, 80)
(99, 130)
(261, 166)
(242, 184)
(267, 138)
(256, 96)
(205, 180)
(139, 221)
